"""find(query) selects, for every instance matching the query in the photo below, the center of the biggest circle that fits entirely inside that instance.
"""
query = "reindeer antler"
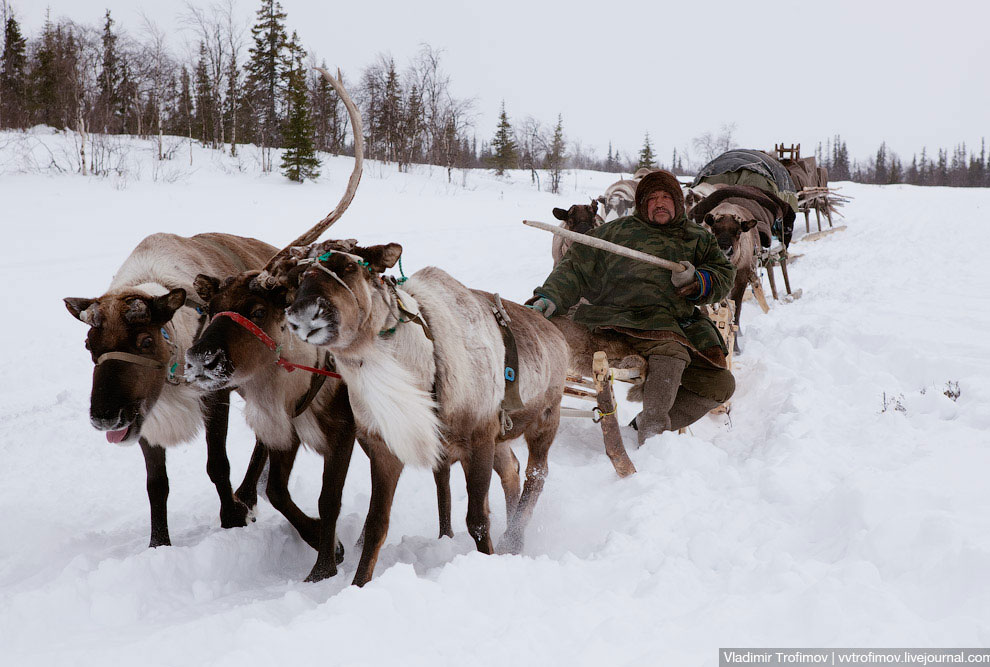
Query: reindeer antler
(275, 264)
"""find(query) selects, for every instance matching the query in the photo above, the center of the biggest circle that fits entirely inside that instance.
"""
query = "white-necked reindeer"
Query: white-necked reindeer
(425, 367)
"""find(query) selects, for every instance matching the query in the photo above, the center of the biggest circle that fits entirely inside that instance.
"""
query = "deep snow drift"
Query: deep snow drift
(816, 517)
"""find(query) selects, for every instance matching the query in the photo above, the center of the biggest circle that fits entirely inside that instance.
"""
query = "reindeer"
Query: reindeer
(138, 331)
(425, 367)
(282, 408)
(619, 199)
(735, 230)
(580, 218)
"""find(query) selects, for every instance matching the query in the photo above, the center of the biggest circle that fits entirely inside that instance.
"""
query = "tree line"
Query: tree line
(258, 87)
(234, 88)
(958, 168)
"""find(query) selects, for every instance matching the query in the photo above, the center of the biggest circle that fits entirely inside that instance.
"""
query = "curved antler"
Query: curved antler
(314, 232)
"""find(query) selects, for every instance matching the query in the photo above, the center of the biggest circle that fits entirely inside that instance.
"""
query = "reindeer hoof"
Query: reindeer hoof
(320, 572)
(235, 516)
(251, 500)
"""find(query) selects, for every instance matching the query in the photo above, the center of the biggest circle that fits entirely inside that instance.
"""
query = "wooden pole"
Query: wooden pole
(614, 448)
(614, 248)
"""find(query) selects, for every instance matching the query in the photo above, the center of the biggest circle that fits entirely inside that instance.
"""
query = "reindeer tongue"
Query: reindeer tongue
(116, 437)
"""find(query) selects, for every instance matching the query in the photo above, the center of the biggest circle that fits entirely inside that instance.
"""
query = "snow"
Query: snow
(814, 517)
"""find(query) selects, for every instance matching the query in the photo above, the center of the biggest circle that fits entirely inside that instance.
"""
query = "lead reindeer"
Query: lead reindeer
(138, 331)
(425, 366)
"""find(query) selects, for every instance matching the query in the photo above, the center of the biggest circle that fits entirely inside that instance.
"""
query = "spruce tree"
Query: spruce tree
(13, 84)
(204, 98)
(266, 69)
(646, 157)
(109, 79)
(880, 173)
(299, 160)
(44, 79)
(554, 160)
(505, 155)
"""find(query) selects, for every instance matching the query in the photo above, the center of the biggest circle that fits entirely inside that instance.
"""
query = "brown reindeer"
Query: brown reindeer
(283, 408)
(580, 218)
(424, 363)
(138, 332)
(735, 230)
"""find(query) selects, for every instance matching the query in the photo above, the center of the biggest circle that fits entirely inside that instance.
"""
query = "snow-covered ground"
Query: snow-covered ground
(814, 518)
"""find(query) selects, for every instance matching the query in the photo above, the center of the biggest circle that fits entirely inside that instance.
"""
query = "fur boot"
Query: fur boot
(688, 408)
(659, 392)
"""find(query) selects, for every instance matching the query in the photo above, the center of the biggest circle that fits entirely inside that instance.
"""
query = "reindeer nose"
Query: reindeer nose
(108, 422)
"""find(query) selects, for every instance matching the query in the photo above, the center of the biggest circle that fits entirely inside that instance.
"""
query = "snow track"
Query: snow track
(818, 518)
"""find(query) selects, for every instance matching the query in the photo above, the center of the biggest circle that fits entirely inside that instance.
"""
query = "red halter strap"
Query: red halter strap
(270, 344)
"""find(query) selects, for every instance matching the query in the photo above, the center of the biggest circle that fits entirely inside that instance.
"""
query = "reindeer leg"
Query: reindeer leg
(507, 467)
(478, 471)
(441, 475)
(247, 492)
(539, 437)
(154, 464)
(385, 471)
(335, 465)
(738, 290)
(216, 408)
(278, 494)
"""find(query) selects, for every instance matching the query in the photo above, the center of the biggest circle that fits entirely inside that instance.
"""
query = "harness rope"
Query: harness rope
(271, 345)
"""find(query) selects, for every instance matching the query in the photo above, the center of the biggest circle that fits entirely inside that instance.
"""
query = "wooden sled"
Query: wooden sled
(598, 389)
(814, 236)
(773, 257)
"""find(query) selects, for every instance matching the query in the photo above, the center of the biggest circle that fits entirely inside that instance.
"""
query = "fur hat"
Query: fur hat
(659, 180)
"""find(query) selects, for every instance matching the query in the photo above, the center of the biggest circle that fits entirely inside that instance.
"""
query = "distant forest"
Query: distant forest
(239, 85)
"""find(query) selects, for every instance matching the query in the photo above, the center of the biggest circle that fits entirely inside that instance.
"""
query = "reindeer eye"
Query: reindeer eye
(349, 268)
(144, 342)
(258, 313)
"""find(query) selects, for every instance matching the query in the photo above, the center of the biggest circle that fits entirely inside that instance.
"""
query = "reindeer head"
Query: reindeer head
(338, 303)
(581, 218)
(227, 353)
(728, 229)
(131, 349)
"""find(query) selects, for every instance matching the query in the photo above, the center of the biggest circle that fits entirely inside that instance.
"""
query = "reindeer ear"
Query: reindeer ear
(748, 225)
(80, 309)
(560, 214)
(206, 286)
(380, 257)
(594, 206)
(164, 307)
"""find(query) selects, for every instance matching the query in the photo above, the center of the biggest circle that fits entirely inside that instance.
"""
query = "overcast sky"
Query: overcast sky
(907, 73)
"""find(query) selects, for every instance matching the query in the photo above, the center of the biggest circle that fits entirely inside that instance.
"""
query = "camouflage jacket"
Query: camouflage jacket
(628, 294)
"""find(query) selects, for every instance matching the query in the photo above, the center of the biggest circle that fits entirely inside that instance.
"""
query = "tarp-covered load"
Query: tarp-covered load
(804, 172)
(750, 167)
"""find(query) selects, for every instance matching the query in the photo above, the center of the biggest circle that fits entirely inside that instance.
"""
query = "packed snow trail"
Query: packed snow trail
(820, 517)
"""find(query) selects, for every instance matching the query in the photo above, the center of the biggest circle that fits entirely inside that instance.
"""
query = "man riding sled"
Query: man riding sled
(653, 310)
